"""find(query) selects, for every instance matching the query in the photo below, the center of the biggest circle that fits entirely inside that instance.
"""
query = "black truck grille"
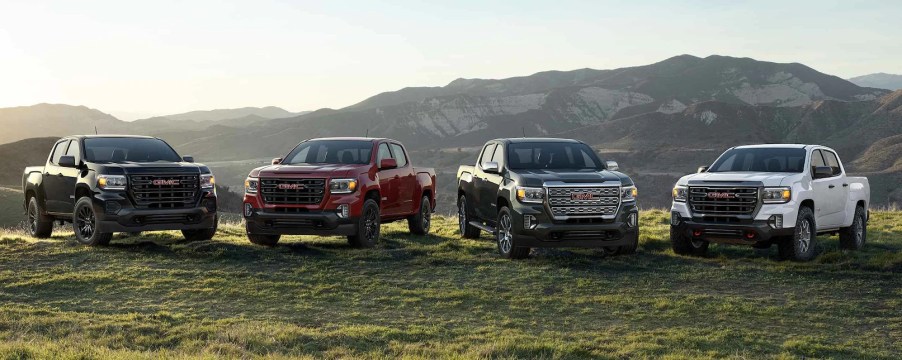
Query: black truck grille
(723, 200)
(164, 191)
(596, 201)
(293, 191)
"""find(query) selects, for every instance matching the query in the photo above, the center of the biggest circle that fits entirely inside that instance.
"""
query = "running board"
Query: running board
(482, 227)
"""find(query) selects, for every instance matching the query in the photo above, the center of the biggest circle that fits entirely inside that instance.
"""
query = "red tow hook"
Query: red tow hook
(697, 232)
(750, 234)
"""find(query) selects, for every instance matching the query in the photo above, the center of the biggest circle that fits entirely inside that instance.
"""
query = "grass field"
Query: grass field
(440, 296)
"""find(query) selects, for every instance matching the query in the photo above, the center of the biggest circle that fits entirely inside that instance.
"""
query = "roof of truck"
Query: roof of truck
(351, 138)
(533, 140)
(800, 146)
(109, 136)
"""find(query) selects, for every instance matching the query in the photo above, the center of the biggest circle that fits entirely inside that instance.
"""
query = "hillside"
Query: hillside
(43, 120)
(17, 155)
(879, 80)
(439, 296)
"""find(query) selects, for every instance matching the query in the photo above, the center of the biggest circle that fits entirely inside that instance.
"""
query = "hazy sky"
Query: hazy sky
(142, 58)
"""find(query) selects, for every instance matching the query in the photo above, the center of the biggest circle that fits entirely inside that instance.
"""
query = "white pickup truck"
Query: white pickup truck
(761, 195)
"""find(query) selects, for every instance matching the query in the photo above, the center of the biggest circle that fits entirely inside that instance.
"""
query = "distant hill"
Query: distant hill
(198, 120)
(40, 120)
(879, 80)
(14, 157)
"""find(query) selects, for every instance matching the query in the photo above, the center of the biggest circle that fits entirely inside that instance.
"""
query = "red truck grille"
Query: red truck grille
(293, 191)
(723, 200)
(164, 191)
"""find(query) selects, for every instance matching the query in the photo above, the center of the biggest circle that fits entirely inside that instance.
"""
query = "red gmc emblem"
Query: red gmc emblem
(722, 195)
(581, 196)
(291, 186)
(161, 182)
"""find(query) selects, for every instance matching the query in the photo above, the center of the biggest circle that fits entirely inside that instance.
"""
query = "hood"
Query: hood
(319, 170)
(153, 168)
(749, 178)
(539, 177)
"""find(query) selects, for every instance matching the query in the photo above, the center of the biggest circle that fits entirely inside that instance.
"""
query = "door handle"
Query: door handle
(832, 186)
(845, 185)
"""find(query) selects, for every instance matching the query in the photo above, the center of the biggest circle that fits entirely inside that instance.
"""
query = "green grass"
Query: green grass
(158, 296)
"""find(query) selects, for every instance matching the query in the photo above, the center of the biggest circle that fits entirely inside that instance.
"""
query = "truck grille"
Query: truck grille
(164, 191)
(293, 191)
(723, 201)
(597, 201)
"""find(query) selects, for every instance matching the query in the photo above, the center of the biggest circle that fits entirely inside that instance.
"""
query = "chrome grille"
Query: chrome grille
(723, 200)
(594, 201)
(179, 191)
(310, 193)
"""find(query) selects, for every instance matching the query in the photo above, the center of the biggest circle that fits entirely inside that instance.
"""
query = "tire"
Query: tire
(630, 248)
(202, 234)
(84, 224)
(684, 245)
(463, 219)
(264, 240)
(420, 223)
(39, 225)
(802, 245)
(368, 226)
(854, 236)
(504, 237)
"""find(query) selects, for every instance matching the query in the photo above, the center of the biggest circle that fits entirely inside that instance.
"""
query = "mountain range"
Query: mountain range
(659, 121)
(879, 80)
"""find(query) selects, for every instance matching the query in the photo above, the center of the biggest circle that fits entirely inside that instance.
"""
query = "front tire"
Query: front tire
(801, 246)
(854, 236)
(368, 226)
(684, 245)
(463, 218)
(420, 223)
(201, 234)
(39, 225)
(84, 224)
(504, 237)
(264, 240)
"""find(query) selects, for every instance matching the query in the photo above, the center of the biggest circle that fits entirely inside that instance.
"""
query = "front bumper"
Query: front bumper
(115, 213)
(584, 233)
(306, 223)
(747, 233)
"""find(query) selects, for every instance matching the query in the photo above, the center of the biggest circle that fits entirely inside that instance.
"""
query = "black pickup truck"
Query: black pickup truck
(104, 184)
(537, 192)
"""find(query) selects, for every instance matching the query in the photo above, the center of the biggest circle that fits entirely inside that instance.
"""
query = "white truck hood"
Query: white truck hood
(765, 178)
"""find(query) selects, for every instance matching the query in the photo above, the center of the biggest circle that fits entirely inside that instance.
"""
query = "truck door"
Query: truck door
(407, 183)
(484, 203)
(825, 192)
(69, 177)
(389, 183)
(491, 182)
(55, 194)
(837, 189)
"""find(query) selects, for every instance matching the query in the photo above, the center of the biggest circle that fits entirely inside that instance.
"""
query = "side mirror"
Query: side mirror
(611, 165)
(491, 167)
(67, 161)
(388, 164)
(188, 158)
(821, 172)
(702, 169)
(276, 161)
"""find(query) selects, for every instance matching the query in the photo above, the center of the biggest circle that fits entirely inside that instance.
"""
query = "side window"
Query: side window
(816, 160)
(74, 151)
(58, 152)
(399, 154)
(383, 153)
(832, 161)
(498, 157)
(487, 154)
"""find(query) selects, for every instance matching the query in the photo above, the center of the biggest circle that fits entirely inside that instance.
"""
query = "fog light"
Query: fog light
(248, 210)
(343, 210)
(632, 220)
(675, 218)
(529, 222)
(775, 221)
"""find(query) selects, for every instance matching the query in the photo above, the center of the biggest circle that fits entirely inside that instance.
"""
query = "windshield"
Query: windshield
(331, 152)
(120, 150)
(788, 160)
(552, 155)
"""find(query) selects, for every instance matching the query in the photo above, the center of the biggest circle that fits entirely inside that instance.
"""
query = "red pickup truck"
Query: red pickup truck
(338, 186)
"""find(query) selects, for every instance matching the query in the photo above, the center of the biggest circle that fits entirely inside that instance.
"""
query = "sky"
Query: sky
(139, 59)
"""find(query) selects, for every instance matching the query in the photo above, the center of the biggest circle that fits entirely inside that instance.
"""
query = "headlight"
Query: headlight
(776, 195)
(342, 186)
(111, 182)
(207, 181)
(628, 193)
(530, 194)
(251, 185)
(679, 193)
